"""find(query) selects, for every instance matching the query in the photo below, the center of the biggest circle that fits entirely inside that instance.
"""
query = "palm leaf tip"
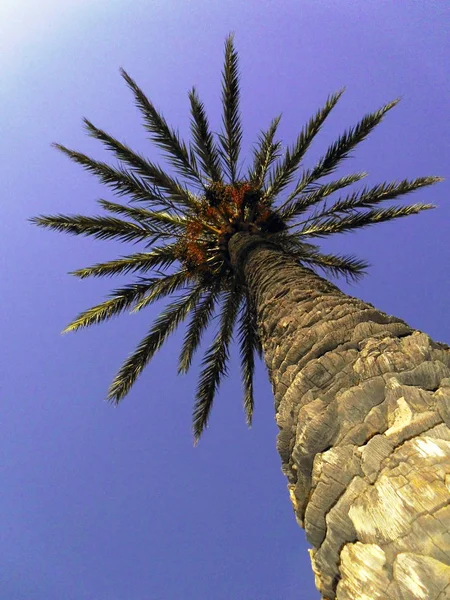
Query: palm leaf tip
(265, 154)
(248, 340)
(215, 362)
(332, 225)
(165, 324)
(231, 138)
(286, 168)
(37, 220)
(163, 135)
(161, 257)
(204, 144)
(120, 300)
(350, 267)
(200, 320)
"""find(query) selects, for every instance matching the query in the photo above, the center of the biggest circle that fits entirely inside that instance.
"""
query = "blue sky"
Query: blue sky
(115, 503)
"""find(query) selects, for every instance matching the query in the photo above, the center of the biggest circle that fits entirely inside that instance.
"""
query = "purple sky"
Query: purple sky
(116, 504)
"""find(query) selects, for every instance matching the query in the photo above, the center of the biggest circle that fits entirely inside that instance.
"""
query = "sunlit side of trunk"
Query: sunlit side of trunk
(363, 406)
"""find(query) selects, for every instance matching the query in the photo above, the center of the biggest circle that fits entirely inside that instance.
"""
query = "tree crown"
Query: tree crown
(186, 226)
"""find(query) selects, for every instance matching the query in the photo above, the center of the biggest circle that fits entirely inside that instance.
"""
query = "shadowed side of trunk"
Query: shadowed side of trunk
(363, 406)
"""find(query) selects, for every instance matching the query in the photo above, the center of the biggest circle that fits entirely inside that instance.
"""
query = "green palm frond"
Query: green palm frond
(162, 257)
(285, 170)
(309, 255)
(163, 135)
(352, 268)
(306, 201)
(123, 182)
(215, 362)
(144, 167)
(119, 301)
(248, 341)
(341, 148)
(265, 154)
(169, 223)
(231, 138)
(204, 144)
(200, 320)
(103, 228)
(163, 286)
(333, 225)
(370, 197)
(162, 327)
(252, 313)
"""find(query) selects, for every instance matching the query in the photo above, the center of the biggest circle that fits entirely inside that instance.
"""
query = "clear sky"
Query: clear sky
(99, 503)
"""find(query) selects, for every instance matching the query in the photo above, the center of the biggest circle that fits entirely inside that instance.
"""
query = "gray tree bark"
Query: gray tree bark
(363, 406)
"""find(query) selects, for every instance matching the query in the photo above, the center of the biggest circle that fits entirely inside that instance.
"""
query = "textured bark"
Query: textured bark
(363, 406)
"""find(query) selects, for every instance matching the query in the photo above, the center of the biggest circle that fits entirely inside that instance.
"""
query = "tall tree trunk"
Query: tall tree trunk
(363, 405)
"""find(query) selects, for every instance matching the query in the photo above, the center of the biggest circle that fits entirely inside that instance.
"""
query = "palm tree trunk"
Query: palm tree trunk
(363, 406)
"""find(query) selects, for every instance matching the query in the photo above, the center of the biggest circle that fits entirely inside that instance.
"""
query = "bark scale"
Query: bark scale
(362, 402)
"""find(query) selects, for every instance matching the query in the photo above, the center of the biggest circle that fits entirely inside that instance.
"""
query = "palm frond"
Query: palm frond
(144, 167)
(370, 197)
(119, 301)
(341, 148)
(248, 341)
(285, 170)
(162, 327)
(352, 268)
(169, 223)
(163, 286)
(215, 362)
(197, 326)
(102, 227)
(332, 225)
(265, 154)
(253, 316)
(230, 140)
(161, 257)
(163, 135)
(204, 144)
(309, 255)
(306, 201)
(122, 181)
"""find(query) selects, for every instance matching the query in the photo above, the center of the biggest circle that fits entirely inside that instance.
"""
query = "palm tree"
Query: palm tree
(362, 400)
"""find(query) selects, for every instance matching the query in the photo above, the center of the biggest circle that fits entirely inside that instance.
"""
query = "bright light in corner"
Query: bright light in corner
(24, 22)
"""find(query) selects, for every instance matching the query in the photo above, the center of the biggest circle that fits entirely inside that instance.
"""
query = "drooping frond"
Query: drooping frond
(102, 228)
(215, 362)
(349, 266)
(163, 135)
(162, 327)
(231, 138)
(252, 314)
(119, 301)
(248, 341)
(123, 182)
(309, 255)
(265, 154)
(161, 257)
(285, 170)
(204, 144)
(200, 320)
(306, 201)
(341, 148)
(145, 168)
(333, 225)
